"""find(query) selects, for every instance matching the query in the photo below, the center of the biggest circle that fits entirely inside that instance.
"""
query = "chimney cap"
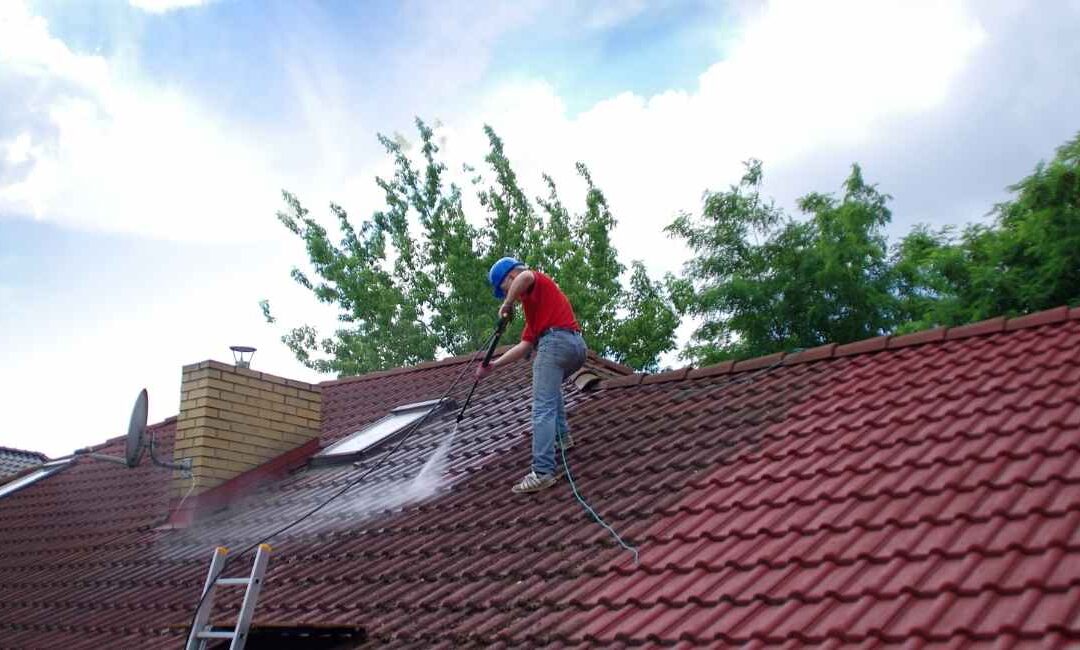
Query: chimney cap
(238, 355)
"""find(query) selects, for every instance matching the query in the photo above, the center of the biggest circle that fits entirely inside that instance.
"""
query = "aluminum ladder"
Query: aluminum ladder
(201, 633)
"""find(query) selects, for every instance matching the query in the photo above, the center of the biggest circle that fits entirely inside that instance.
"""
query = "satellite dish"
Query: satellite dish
(136, 430)
(136, 440)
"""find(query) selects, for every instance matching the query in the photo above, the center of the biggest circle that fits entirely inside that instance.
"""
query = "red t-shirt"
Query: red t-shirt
(545, 306)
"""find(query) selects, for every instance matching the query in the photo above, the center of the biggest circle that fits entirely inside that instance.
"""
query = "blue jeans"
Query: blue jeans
(558, 355)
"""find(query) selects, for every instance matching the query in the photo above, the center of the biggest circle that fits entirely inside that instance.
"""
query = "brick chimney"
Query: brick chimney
(235, 419)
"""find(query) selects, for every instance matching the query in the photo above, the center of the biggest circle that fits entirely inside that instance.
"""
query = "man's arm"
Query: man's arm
(513, 354)
(520, 285)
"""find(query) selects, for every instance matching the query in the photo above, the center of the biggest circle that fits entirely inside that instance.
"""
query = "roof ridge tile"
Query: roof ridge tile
(722, 368)
(628, 380)
(988, 326)
(461, 358)
(864, 346)
(759, 362)
(918, 338)
(875, 344)
(23, 452)
(826, 351)
(670, 375)
(1045, 317)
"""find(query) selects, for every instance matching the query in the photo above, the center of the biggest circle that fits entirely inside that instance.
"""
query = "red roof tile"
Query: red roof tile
(926, 492)
(15, 461)
(976, 329)
(721, 368)
(917, 338)
(767, 361)
(862, 347)
(813, 354)
(671, 375)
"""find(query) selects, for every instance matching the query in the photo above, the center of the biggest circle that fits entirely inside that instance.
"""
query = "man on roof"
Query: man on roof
(552, 330)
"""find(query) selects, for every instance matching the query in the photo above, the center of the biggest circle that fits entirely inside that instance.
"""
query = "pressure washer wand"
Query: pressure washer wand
(492, 344)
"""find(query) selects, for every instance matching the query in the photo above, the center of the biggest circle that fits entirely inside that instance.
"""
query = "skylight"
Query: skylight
(47, 469)
(380, 430)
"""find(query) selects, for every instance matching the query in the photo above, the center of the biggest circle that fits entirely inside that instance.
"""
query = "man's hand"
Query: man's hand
(483, 371)
(506, 310)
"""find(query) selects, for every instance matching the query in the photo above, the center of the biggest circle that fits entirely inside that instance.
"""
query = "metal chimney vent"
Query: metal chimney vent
(239, 352)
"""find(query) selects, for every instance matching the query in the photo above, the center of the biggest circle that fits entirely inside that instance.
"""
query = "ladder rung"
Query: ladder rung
(216, 635)
(201, 631)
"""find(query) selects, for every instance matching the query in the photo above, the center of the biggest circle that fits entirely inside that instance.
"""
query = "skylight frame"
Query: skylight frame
(360, 442)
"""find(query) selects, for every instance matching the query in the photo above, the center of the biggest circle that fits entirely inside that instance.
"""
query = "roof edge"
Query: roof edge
(426, 365)
(608, 364)
(865, 346)
(24, 452)
(30, 469)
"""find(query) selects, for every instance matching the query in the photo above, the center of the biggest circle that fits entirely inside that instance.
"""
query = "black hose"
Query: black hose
(412, 427)
(493, 343)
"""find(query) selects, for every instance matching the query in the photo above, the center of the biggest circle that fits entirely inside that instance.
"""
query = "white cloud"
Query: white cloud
(19, 149)
(27, 47)
(798, 77)
(164, 6)
(98, 149)
(612, 12)
(131, 156)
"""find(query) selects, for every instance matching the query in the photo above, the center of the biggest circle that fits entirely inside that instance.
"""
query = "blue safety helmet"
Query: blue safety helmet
(498, 273)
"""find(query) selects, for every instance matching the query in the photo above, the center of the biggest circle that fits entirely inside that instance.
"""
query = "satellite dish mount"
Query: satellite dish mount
(137, 438)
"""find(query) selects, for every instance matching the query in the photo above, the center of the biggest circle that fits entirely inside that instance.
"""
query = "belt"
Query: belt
(556, 329)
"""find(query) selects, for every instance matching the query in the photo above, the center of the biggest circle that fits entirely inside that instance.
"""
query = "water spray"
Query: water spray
(427, 481)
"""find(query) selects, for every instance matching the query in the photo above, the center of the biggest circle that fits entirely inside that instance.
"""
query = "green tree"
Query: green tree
(411, 282)
(761, 281)
(1028, 260)
(637, 341)
(1040, 247)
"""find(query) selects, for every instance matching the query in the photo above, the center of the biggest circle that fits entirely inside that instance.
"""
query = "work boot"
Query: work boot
(564, 440)
(534, 482)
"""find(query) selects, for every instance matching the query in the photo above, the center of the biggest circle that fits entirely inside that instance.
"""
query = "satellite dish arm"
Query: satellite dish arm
(111, 459)
(184, 465)
(133, 443)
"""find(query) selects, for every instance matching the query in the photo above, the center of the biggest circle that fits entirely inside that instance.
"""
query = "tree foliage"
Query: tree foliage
(411, 282)
(1028, 260)
(761, 281)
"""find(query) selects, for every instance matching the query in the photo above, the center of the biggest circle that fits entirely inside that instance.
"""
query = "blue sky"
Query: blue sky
(143, 146)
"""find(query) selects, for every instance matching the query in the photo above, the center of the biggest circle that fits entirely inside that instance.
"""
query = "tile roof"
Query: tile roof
(14, 461)
(903, 490)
